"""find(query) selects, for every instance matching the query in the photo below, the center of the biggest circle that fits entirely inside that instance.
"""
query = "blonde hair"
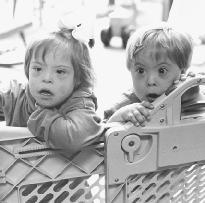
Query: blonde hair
(77, 50)
(177, 44)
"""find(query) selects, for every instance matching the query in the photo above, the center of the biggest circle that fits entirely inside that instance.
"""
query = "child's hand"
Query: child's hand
(136, 113)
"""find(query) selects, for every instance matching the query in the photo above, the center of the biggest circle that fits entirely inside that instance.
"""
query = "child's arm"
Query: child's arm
(14, 106)
(125, 99)
(137, 113)
(2, 117)
(72, 132)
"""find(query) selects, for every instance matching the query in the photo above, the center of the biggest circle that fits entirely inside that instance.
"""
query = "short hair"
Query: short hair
(77, 50)
(177, 44)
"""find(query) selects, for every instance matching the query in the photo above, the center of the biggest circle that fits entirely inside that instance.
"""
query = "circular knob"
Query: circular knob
(130, 144)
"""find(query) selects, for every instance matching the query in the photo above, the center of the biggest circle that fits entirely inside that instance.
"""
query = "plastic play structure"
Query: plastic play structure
(161, 162)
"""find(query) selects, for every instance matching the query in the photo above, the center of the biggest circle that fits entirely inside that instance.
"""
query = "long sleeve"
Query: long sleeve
(126, 98)
(8, 97)
(70, 129)
(78, 129)
(2, 117)
(15, 104)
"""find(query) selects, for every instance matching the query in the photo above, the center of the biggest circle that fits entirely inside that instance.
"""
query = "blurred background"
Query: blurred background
(113, 23)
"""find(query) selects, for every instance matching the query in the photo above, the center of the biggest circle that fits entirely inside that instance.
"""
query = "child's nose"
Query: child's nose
(47, 77)
(151, 80)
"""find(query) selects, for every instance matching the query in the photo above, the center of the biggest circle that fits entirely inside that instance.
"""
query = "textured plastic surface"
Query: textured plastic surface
(32, 172)
(183, 184)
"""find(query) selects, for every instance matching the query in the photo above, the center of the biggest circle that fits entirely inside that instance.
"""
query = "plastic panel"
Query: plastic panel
(163, 161)
(31, 172)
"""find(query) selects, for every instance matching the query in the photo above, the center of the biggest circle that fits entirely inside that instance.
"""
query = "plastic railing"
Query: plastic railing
(163, 161)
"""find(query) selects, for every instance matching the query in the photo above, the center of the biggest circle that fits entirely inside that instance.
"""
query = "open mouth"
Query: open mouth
(152, 96)
(46, 92)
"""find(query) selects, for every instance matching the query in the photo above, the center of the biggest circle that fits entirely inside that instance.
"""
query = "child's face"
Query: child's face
(51, 79)
(152, 73)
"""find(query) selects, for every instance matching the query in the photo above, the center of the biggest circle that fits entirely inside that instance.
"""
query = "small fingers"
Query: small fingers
(136, 118)
(138, 113)
(139, 117)
(143, 112)
(147, 105)
(131, 117)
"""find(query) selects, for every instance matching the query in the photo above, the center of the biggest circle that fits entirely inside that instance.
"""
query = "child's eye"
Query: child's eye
(36, 68)
(61, 71)
(140, 70)
(162, 70)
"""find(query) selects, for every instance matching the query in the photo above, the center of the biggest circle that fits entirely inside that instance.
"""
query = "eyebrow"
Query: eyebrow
(158, 64)
(36, 62)
(137, 63)
(58, 66)
(66, 66)
(164, 63)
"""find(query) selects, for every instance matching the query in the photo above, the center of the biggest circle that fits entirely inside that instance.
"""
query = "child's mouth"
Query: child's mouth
(152, 96)
(45, 92)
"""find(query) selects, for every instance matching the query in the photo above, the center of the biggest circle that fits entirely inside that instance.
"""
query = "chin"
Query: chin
(46, 105)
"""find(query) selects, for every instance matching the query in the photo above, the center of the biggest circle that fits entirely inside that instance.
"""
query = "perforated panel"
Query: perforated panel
(31, 172)
(185, 184)
(86, 189)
